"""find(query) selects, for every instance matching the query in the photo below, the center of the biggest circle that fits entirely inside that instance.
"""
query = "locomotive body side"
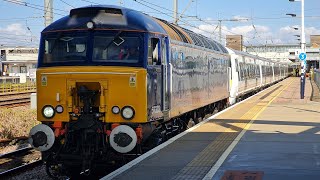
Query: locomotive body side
(199, 77)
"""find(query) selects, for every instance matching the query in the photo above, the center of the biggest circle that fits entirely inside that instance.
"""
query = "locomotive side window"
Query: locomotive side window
(164, 52)
(153, 52)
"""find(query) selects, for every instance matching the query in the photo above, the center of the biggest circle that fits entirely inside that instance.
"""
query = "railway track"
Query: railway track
(6, 142)
(14, 102)
(13, 99)
(18, 161)
(2, 94)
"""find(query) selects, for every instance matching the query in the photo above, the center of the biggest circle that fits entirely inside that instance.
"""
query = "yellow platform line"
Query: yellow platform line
(247, 115)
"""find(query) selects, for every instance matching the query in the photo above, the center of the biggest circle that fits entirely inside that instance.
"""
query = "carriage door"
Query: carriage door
(157, 77)
(164, 69)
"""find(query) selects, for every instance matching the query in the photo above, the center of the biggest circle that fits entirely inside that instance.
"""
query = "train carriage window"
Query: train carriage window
(153, 52)
(237, 65)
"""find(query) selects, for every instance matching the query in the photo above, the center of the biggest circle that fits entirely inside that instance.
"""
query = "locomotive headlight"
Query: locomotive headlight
(127, 112)
(48, 111)
(115, 110)
(90, 25)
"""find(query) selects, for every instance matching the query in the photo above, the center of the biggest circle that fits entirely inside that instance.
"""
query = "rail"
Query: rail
(15, 102)
(18, 165)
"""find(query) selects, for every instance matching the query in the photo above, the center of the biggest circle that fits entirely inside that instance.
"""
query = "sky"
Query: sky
(260, 22)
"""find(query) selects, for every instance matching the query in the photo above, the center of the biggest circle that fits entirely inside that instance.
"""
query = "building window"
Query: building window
(23, 69)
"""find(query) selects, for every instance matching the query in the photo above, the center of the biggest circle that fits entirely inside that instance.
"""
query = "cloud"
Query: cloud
(287, 33)
(257, 34)
(249, 32)
(17, 34)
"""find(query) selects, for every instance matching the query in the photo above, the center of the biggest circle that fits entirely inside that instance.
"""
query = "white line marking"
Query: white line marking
(171, 140)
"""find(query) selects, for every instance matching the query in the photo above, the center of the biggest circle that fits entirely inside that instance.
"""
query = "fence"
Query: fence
(13, 85)
(14, 80)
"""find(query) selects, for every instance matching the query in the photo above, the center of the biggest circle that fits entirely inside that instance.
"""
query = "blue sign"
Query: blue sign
(302, 56)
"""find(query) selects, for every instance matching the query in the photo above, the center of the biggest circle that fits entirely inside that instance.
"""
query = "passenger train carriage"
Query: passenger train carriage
(113, 81)
(250, 73)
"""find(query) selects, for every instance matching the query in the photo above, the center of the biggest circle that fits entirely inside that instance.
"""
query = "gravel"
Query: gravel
(35, 173)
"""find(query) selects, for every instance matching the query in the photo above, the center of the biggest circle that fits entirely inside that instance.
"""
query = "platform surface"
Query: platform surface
(274, 133)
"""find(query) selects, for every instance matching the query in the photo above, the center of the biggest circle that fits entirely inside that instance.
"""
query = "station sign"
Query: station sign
(302, 56)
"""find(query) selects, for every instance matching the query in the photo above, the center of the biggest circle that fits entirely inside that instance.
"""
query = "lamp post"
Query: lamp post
(220, 25)
(303, 49)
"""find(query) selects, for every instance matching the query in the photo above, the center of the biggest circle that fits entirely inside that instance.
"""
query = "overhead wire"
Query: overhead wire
(187, 23)
(67, 3)
(37, 5)
(32, 6)
(90, 2)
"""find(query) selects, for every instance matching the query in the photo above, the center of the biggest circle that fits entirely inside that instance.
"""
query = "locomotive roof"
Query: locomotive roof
(120, 18)
(110, 17)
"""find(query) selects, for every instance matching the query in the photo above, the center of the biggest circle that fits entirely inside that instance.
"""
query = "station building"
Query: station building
(285, 53)
(17, 61)
(281, 52)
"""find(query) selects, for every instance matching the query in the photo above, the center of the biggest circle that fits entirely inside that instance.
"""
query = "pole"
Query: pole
(303, 50)
(303, 36)
(175, 11)
(220, 34)
(48, 12)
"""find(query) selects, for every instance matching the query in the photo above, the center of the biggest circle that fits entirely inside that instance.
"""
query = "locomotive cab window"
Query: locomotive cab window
(124, 49)
(153, 52)
(65, 48)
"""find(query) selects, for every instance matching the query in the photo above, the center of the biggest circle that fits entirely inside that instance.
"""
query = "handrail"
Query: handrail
(15, 88)
(317, 77)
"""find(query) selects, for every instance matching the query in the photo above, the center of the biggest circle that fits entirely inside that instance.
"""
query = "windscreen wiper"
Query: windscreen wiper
(114, 38)
(55, 42)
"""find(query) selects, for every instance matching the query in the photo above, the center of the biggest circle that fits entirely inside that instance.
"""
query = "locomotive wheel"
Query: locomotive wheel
(52, 168)
(215, 111)
(52, 171)
(191, 123)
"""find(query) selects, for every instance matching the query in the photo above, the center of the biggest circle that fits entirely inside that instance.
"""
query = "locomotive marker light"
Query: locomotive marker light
(90, 25)
(41, 137)
(123, 139)
(59, 109)
(48, 111)
(115, 110)
(127, 112)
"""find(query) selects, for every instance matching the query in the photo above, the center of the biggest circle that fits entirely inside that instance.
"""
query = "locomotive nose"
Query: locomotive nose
(41, 137)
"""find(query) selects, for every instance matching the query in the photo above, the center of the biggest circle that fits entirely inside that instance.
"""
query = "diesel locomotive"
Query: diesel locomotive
(113, 81)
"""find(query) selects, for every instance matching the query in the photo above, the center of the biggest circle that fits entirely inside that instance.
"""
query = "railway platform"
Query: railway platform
(271, 135)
